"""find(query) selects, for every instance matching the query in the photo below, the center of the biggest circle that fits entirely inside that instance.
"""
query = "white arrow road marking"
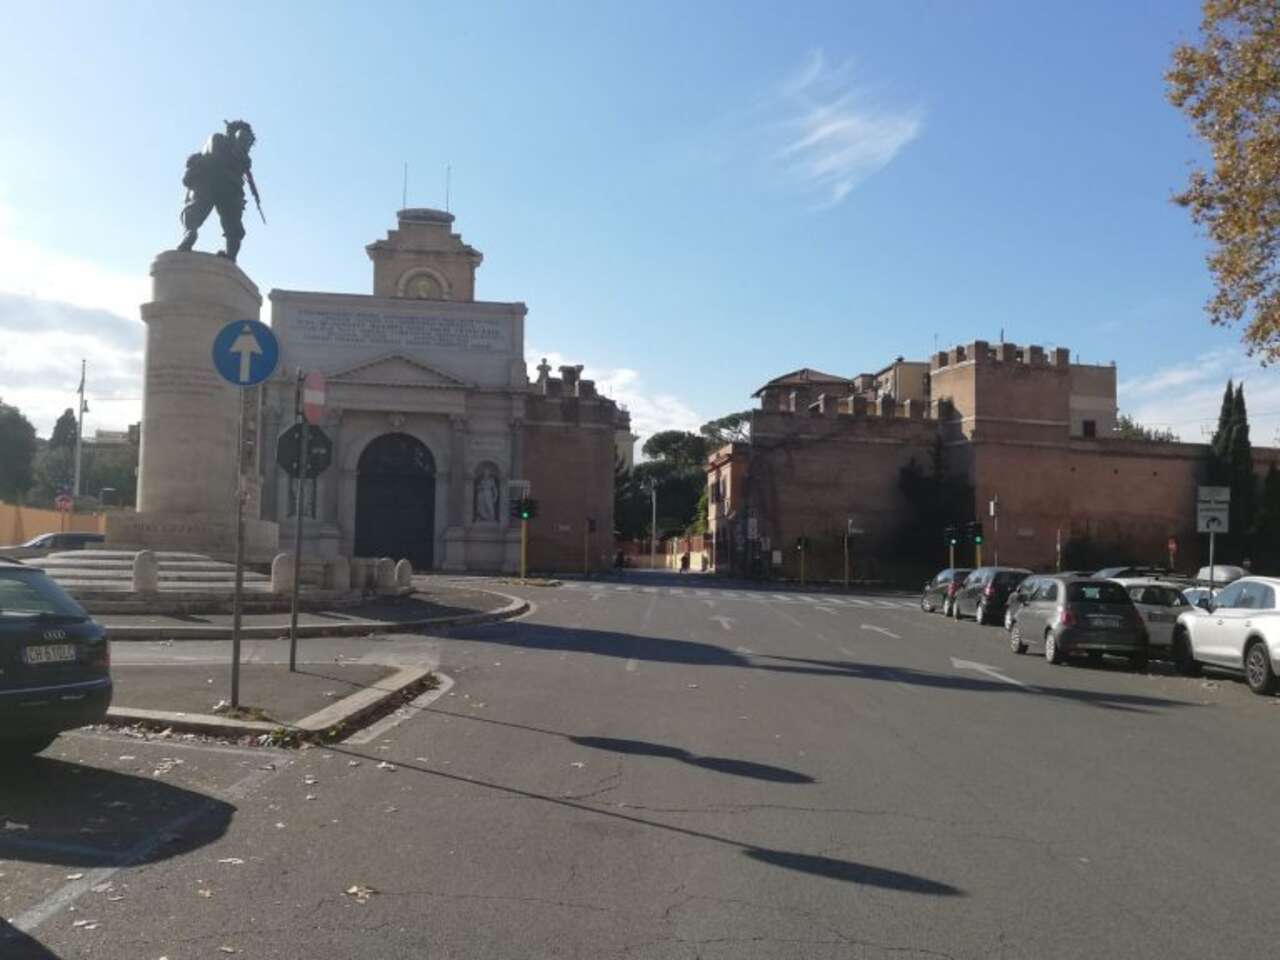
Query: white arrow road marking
(984, 669)
(723, 621)
(829, 610)
(887, 633)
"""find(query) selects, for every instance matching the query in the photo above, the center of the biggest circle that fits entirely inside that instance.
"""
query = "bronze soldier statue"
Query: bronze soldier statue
(215, 178)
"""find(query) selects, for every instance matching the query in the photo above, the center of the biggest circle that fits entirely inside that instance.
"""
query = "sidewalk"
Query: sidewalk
(437, 606)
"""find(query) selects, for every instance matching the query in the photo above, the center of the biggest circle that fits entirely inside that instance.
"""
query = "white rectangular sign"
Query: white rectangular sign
(1213, 509)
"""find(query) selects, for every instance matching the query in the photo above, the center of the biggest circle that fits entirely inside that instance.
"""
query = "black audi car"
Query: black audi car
(55, 662)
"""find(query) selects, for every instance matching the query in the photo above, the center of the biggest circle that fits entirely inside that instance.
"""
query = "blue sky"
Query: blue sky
(691, 198)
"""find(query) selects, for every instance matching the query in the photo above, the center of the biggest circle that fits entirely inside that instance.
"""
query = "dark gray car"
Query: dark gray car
(1071, 617)
(939, 591)
(985, 593)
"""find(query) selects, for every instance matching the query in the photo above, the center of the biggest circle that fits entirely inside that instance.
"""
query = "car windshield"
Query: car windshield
(1160, 596)
(41, 541)
(1009, 578)
(1086, 592)
(28, 594)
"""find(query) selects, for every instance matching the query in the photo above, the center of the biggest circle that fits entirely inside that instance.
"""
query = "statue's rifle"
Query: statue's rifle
(253, 188)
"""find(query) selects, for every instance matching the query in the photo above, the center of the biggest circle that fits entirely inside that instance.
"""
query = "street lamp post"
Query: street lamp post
(653, 524)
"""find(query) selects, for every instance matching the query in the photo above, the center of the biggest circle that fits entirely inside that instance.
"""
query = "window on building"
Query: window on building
(1091, 428)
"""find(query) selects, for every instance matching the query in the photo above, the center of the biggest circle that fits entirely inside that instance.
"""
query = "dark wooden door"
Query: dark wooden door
(396, 500)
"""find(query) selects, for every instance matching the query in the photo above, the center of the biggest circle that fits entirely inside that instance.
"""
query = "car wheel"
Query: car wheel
(946, 607)
(1008, 620)
(1183, 656)
(1094, 656)
(1015, 640)
(955, 609)
(25, 748)
(924, 606)
(980, 615)
(1051, 651)
(1257, 668)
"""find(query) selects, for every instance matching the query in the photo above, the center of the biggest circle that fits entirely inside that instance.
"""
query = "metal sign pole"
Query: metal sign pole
(524, 548)
(239, 587)
(297, 534)
(1211, 570)
(846, 561)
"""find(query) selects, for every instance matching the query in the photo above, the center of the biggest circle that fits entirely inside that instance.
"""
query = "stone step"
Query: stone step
(165, 576)
(186, 587)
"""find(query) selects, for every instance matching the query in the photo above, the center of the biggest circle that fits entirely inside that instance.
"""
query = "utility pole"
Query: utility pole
(304, 456)
(653, 524)
(82, 409)
(995, 515)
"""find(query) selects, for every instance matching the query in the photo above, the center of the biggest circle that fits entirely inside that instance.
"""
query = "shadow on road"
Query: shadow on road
(16, 945)
(846, 871)
(737, 768)
(66, 814)
(627, 646)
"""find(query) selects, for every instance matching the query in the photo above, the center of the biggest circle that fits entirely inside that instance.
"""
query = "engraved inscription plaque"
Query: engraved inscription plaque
(364, 328)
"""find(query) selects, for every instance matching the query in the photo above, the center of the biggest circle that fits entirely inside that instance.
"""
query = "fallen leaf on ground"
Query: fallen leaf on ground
(360, 892)
(578, 763)
(389, 767)
(234, 860)
(204, 892)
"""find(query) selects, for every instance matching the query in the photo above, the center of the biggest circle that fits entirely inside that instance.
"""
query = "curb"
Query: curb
(335, 716)
(350, 628)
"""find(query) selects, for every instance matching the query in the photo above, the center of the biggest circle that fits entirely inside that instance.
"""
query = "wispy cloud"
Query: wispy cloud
(1185, 397)
(651, 410)
(55, 310)
(833, 132)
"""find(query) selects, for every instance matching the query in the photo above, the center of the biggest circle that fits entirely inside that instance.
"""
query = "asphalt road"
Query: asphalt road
(675, 767)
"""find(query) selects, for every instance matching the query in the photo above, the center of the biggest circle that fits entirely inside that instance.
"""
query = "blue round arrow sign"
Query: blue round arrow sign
(245, 352)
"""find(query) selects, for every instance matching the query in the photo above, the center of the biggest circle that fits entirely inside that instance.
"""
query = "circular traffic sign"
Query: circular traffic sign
(64, 503)
(313, 397)
(245, 352)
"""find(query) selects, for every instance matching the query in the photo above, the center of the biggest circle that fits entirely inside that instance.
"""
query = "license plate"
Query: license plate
(50, 653)
(1109, 622)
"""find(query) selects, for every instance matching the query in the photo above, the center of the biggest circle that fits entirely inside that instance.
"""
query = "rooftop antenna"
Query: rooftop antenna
(404, 189)
(935, 343)
(448, 176)
(1002, 334)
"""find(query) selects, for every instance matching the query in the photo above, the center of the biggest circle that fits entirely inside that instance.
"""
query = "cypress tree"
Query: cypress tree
(1218, 467)
(1266, 530)
(1240, 463)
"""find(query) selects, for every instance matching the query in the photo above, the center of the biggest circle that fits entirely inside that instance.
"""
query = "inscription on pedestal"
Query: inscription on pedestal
(184, 381)
(362, 328)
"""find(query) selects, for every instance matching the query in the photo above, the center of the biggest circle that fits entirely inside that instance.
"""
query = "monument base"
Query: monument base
(212, 535)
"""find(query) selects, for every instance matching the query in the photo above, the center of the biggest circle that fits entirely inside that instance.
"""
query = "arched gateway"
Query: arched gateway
(396, 500)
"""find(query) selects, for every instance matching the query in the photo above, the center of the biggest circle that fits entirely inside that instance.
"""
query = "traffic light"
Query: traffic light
(951, 536)
(525, 508)
(975, 532)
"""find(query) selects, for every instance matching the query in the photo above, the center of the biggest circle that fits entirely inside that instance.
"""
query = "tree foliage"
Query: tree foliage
(679, 448)
(1229, 88)
(1230, 464)
(935, 499)
(1128, 428)
(64, 431)
(17, 452)
(732, 428)
(1266, 536)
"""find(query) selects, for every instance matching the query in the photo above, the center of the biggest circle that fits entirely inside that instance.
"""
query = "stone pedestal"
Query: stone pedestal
(190, 416)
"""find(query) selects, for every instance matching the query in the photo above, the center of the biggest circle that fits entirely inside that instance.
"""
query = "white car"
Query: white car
(1159, 603)
(1239, 630)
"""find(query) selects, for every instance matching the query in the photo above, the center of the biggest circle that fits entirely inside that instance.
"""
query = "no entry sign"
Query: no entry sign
(313, 397)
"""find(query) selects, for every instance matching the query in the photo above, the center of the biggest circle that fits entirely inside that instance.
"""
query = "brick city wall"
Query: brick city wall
(571, 466)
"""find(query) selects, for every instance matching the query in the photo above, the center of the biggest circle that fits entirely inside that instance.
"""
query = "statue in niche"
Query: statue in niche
(486, 498)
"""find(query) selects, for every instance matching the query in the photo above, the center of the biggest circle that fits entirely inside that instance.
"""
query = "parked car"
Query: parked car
(1159, 603)
(1130, 573)
(1024, 592)
(939, 591)
(1071, 616)
(1240, 631)
(50, 542)
(986, 591)
(1222, 574)
(55, 662)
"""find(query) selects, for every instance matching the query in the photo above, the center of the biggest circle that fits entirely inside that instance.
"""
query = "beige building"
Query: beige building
(434, 424)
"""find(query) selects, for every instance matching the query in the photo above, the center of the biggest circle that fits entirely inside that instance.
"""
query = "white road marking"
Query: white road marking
(785, 598)
(833, 612)
(399, 716)
(723, 621)
(860, 602)
(887, 633)
(984, 669)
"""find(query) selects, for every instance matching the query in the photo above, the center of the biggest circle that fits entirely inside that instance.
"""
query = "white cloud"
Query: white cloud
(650, 411)
(56, 310)
(1185, 398)
(834, 133)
